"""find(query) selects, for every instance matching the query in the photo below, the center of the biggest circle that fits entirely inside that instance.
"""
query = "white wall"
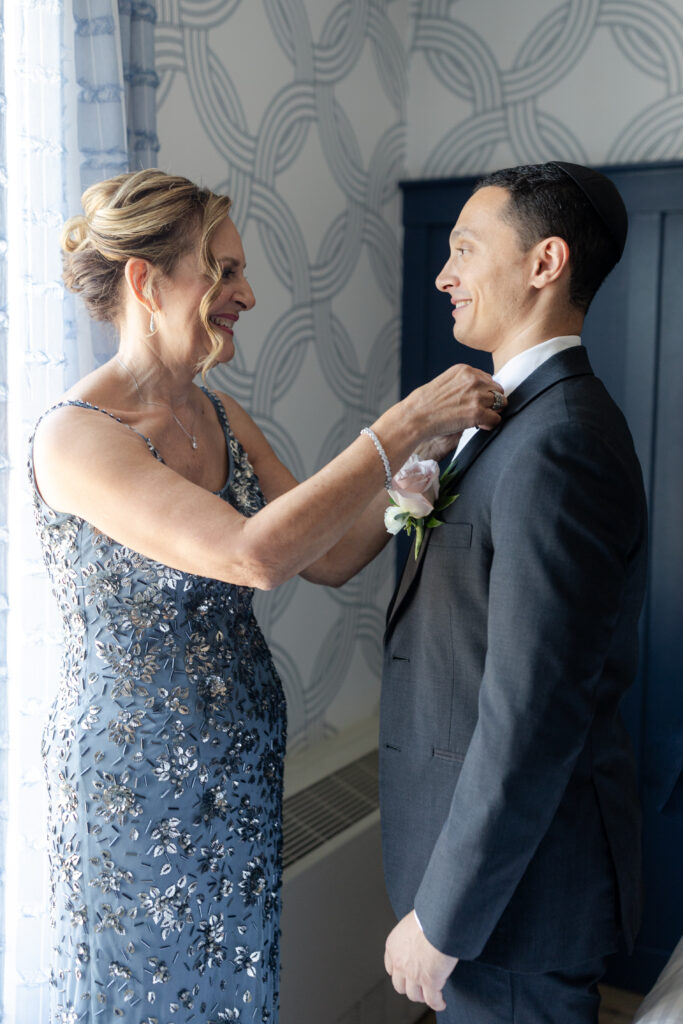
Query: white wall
(298, 109)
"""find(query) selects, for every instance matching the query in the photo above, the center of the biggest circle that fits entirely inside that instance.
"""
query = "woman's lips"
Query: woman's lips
(225, 321)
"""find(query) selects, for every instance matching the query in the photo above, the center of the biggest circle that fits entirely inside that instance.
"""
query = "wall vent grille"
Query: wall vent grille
(314, 815)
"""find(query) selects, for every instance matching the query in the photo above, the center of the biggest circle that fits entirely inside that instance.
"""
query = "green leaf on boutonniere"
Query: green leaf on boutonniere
(405, 521)
(445, 502)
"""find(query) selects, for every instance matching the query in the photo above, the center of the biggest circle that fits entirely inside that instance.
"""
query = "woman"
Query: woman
(164, 748)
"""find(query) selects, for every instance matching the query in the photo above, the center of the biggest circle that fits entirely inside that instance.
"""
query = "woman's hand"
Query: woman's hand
(460, 397)
(437, 447)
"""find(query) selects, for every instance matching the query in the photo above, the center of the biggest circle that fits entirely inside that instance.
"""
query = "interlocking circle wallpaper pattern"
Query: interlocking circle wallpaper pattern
(596, 81)
(308, 113)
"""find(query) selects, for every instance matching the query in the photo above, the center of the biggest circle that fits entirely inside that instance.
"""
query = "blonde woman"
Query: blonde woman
(161, 506)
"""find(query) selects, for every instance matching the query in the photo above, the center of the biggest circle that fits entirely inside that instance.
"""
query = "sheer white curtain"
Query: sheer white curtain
(4, 491)
(80, 107)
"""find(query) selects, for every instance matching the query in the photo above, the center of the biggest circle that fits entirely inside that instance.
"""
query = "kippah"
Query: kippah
(604, 197)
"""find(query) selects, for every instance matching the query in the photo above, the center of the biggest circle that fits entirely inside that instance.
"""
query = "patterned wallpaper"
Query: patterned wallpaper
(308, 112)
(593, 81)
(297, 110)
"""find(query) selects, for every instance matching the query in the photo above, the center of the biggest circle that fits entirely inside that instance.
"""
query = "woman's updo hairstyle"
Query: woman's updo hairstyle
(145, 215)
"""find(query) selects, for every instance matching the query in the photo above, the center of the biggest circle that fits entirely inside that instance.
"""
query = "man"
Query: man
(509, 809)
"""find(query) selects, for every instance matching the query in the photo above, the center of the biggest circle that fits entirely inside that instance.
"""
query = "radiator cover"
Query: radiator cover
(336, 915)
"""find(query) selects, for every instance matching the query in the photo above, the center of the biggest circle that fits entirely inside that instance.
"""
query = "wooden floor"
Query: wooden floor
(617, 1007)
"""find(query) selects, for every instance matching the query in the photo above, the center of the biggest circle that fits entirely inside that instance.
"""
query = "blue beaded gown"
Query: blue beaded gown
(163, 754)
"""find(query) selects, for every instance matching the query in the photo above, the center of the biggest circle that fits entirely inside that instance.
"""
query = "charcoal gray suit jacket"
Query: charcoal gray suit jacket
(510, 815)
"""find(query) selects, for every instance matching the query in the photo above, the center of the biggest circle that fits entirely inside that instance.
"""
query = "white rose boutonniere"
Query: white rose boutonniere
(416, 493)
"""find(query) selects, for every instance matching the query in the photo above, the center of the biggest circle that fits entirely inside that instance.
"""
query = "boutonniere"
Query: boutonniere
(418, 492)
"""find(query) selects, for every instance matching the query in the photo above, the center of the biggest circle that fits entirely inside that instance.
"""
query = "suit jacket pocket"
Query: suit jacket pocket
(447, 755)
(452, 535)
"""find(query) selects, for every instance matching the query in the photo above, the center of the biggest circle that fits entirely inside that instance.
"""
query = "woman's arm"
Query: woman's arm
(368, 535)
(359, 545)
(361, 542)
(95, 468)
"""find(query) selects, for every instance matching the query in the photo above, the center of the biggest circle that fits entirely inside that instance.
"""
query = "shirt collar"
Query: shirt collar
(517, 369)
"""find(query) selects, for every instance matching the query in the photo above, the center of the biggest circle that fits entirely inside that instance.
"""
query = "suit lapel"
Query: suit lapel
(571, 362)
(413, 565)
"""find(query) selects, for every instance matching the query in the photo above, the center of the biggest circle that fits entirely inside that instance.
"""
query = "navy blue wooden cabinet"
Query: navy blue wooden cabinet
(634, 334)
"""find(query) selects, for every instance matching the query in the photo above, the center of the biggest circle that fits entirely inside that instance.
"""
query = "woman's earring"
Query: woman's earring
(152, 324)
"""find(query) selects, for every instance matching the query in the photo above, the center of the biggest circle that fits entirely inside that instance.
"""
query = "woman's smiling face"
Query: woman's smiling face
(183, 291)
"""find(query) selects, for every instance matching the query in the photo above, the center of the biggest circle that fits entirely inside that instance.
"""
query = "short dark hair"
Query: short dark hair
(544, 201)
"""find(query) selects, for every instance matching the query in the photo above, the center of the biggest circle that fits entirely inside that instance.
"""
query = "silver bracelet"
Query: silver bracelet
(382, 454)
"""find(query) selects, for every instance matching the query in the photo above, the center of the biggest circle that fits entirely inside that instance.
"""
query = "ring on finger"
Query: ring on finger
(498, 399)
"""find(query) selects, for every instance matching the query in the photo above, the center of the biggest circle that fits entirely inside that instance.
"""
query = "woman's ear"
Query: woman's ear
(139, 278)
(551, 261)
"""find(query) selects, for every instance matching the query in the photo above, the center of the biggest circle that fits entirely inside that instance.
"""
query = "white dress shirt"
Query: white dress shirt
(664, 1003)
(517, 369)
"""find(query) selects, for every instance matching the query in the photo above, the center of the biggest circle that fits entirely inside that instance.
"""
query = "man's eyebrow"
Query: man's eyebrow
(462, 233)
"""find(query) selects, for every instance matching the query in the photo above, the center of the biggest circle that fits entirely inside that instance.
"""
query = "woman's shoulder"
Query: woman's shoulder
(241, 424)
(90, 392)
(82, 422)
(97, 392)
(95, 388)
(70, 424)
(247, 432)
(233, 409)
(77, 441)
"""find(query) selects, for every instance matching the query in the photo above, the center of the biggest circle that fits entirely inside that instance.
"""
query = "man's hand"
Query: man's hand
(417, 969)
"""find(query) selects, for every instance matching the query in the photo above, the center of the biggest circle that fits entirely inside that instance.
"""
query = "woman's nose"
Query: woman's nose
(245, 295)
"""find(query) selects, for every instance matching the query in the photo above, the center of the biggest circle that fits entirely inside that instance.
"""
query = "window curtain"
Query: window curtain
(4, 490)
(80, 90)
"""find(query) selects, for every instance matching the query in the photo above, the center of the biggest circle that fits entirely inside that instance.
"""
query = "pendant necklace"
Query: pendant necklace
(162, 405)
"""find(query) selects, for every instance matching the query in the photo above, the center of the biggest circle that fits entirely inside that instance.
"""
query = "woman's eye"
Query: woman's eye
(228, 272)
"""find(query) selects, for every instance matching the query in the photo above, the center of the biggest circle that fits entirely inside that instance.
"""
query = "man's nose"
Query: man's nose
(446, 278)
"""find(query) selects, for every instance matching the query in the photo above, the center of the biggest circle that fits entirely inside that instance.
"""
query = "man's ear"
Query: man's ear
(550, 261)
(139, 278)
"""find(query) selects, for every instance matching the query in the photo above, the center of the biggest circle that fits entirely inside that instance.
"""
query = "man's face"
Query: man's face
(487, 274)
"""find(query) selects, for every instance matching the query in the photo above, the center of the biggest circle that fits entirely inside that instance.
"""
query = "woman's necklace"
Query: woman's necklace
(162, 405)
